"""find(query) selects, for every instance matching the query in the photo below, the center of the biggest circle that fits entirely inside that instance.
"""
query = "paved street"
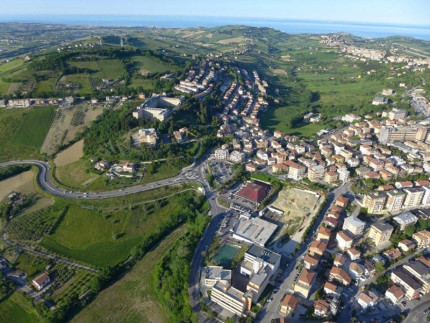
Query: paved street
(271, 310)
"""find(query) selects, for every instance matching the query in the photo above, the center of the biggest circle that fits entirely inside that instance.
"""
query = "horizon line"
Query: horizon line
(328, 21)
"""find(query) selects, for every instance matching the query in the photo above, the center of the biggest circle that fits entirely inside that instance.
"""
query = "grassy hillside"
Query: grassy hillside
(22, 131)
(109, 235)
(18, 309)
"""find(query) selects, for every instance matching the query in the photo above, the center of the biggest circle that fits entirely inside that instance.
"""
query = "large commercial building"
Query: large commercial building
(389, 134)
(254, 192)
(254, 230)
(158, 107)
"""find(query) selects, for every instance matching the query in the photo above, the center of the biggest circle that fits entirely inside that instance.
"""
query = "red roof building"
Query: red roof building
(253, 192)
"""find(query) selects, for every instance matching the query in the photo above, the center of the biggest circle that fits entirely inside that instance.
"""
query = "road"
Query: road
(192, 173)
(419, 313)
(271, 310)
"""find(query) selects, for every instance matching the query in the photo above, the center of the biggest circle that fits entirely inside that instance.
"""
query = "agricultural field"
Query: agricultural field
(146, 65)
(67, 124)
(70, 154)
(109, 234)
(17, 308)
(19, 136)
(6, 70)
(112, 69)
(133, 289)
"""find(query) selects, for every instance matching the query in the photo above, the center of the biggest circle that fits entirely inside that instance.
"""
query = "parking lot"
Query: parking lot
(221, 170)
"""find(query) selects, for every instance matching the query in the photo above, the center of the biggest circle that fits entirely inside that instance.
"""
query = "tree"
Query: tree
(379, 267)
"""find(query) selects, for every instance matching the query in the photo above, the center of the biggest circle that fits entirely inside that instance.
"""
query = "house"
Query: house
(369, 267)
(310, 262)
(304, 283)
(321, 308)
(379, 100)
(394, 294)
(353, 253)
(289, 304)
(342, 201)
(323, 234)
(406, 245)
(405, 219)
(317, 248)
(344, 241)
(403, 278)
(250, 167)
(332, 289)
(367, 299)
(339, 260)
(339, 275)
(353, 225)
(392, 254)
(380, 233)
(422, 238)
(102, 165)
(356, 270)
(41, 281)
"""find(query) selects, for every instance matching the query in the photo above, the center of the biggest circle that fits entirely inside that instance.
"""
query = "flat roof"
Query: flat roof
(266, 255)
(217, 272)
(255, 230)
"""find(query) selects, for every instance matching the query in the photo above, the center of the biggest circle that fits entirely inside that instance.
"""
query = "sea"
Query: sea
(366, 30)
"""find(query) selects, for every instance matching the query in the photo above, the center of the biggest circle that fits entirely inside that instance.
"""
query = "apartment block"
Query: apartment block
(375, 202)
(414, 196)
(231, 298)
(380, 233)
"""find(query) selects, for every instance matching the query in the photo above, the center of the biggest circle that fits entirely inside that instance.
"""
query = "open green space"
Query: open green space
(22, 131)
(18, 309)
(103, 68)
(152, 64)
(31, 265)
(110, 235)
(133, 289)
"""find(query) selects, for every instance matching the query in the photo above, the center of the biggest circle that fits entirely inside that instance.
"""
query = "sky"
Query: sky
(409, 12)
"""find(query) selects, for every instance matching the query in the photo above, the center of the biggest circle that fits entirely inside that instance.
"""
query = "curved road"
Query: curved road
(46, 184)
(192, 173)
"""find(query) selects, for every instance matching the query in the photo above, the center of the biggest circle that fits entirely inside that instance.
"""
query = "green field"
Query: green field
(22, 131)
(152, 64)
(133, 289)
(110, 235)
(18, 309)
(105, 68)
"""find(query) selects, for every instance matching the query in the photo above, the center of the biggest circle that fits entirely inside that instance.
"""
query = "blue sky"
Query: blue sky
(386, 11)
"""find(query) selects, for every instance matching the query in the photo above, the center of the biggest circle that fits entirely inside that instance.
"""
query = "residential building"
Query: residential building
(317, 248)
(414, 196)
(380, 233)
(214, 274)
(331, 177)
(267, 257)
(403, 278)
(342, 201)
(394, 294)
(353, 225)
(339, 275)
(310, 262)
(295, 171)
(323, 234)
(41, 281)
(332, 289)
(344, 241)
(379, 100)
(289, 304)
(316, 173)
(422, 238)
(353, 253)
(231, 298)
(420, 272)
(321, 308)
(375, 202)
(405, 219)
(237, 156)
(367, 299)
(221, 153)
(392, 254)
(148, 136)
(304, 283)
(339, 260)
(406, 245)
(395, 200)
